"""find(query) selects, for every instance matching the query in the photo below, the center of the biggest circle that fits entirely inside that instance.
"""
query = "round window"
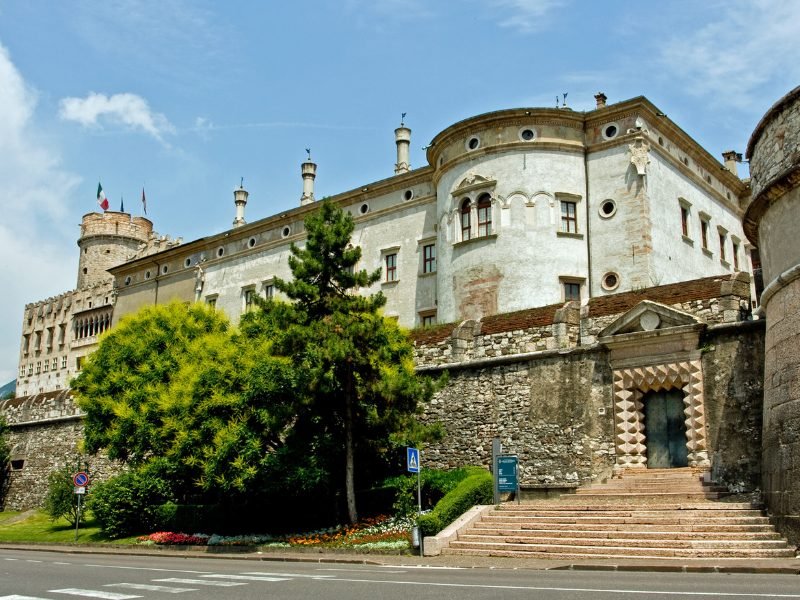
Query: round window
(610, 281)
(187, 262)
(286, 231)
(408, 194)
(164, 269)
(364, 209)
(251, 242)
(128, 280)
(147, 275)
(660, 141)
(473, 143)
(608, 208)
(527, 134)
(610, 131)
(220, 251)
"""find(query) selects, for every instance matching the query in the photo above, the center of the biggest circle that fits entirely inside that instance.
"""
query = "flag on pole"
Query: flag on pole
(102, 201)
(144, 202)
(121, 204)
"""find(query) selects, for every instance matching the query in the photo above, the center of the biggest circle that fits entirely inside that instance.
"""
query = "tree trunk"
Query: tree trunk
(349, 469)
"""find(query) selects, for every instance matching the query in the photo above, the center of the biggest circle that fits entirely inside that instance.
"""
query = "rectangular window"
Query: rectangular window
(722, 240)
(79, 363)
(269, 291)
(62, 334)
(55, 364)
(429, 258)
(391, 267)
(38, 367)
(249, 294)
(46, 366)
(466, 227)
(63, 362)
(685, 221)
(704, 233)
(572, 291)
(428, 320)
(569, 217)
(484, 218)
(30, 369)
(22, 371)
(211, 301)
(735, 256)
(26, 342)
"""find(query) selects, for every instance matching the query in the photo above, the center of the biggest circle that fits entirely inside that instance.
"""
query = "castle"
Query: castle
(588, 275)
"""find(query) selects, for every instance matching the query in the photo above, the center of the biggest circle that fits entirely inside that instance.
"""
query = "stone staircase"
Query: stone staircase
(649, 513)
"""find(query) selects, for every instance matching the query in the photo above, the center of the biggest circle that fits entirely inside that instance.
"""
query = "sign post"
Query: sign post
(80, 481)
(413, 466)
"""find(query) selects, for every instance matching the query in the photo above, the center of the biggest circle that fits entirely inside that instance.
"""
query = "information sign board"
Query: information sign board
(507, 473)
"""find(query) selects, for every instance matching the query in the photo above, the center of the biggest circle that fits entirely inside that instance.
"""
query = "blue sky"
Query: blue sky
(185, 97)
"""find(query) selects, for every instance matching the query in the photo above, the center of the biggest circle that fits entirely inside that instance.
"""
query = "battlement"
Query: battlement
(112, 223)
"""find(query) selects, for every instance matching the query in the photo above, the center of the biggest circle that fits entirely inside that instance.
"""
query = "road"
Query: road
(51, 576)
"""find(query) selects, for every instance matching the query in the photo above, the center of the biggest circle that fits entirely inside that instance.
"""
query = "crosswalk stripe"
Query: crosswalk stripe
(201, 582)
(246, 577)
(151, 588)
(310, 576)
(94, 594)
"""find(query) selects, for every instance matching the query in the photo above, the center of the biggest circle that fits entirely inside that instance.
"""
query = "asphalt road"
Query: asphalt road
(50, 576)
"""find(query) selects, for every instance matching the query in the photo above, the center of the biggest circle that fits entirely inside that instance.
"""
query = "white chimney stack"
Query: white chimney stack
(402, 137)
(240, 199)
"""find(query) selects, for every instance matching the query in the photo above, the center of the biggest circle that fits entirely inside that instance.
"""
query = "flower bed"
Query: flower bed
(379, 533)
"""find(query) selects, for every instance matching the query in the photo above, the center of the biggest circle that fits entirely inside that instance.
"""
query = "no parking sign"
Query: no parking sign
(80, 479)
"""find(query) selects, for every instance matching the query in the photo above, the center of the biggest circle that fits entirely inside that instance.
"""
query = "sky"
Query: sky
(186, 97)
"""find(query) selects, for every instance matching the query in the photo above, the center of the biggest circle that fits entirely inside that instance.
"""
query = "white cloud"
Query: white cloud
(525, 15)
(728, 60)
(127, 109)
(36, 235)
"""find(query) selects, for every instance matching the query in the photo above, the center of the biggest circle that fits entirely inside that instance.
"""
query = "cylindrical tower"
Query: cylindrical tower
(108, 239)
(402, 137)
(309, 171)
(770, 222)
(240, 200)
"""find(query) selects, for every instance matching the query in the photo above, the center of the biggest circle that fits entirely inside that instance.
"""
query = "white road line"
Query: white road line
(18, 597)
(147, 569)
(34, 561)
(94, 594)
(568, 589)
(61, 563)
(288, 575)
(357, 571)
(151, 588)
(246, 577)
(201, 582)
(11, 559)
(426, 567)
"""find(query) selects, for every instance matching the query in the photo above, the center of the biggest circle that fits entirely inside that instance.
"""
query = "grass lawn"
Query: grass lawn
(38, 528)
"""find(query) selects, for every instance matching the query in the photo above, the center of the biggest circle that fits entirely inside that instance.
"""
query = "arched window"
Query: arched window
(466, 225)
(484, 215)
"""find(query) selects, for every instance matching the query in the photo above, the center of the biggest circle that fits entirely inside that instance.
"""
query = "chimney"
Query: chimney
(731, 157)
(402, 137)
(309, 171)
(601, 98)
(240, 199)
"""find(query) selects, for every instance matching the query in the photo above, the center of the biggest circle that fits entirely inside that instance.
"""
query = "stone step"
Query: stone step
(625, 551)
(662, 533)
(704, 543)
(577, 555)
(588, 518)
(652, 487)
(556, 505)
(644, 512)
(631, 497)
(641, 527)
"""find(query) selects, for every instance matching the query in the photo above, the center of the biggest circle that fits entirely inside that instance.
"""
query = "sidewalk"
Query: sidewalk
(325, 555)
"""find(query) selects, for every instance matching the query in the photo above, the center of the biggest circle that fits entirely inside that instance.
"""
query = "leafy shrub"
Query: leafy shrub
(61, 499)
(435, 483)
(475, 489)
(129, 503)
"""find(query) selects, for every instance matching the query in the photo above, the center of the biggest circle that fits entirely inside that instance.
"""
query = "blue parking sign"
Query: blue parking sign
(412, 460)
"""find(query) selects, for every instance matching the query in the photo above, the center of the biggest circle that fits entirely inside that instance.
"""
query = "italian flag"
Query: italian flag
(102, 201)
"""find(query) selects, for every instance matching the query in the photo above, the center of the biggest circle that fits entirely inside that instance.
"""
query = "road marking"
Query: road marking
(18, 597)
(147, 569)
(61, 563)
(201, 582)
(247, 577)
(94, 594)
(568, 589)
(289, 575)
(11, 559)
(33, 561)
(357, 571)
(426, 567)
(151, 588)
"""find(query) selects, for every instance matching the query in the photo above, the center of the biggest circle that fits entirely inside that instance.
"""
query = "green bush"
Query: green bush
(435, 483)
(129, 503)
(185, 517)
(61, 499)
(475, 489)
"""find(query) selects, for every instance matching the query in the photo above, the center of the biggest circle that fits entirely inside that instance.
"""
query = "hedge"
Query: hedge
(475, 489)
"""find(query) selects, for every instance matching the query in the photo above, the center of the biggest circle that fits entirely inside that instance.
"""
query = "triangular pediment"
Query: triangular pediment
(649, 316)
(473, 182)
